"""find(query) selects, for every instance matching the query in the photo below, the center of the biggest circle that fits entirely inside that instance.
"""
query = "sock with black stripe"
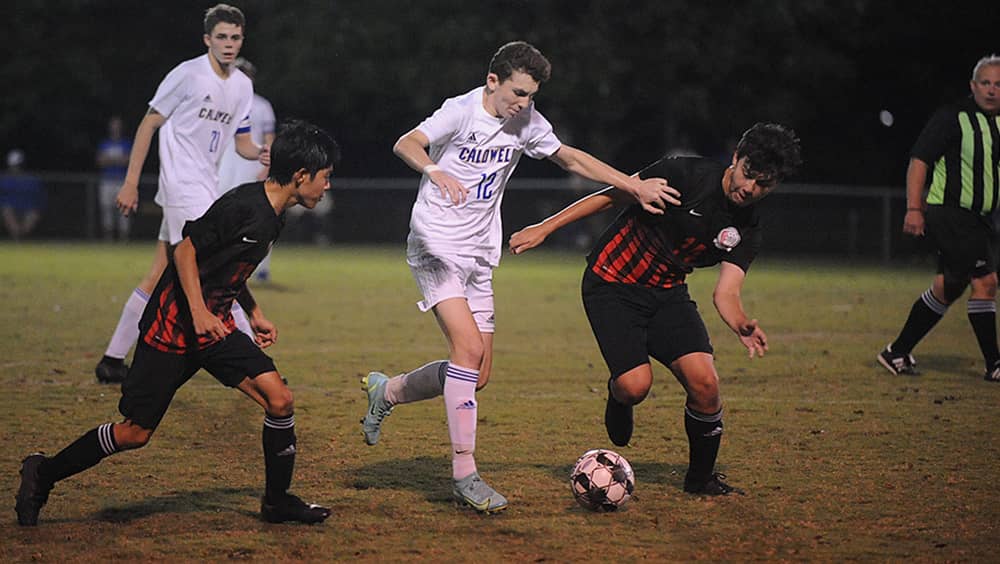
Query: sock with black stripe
(924, 315)
(704, 432)
(81, 454)
(983, 318)
(278, 438)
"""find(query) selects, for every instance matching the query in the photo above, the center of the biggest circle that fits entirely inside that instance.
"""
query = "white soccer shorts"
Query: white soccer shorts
(174, 218)
(442, 278)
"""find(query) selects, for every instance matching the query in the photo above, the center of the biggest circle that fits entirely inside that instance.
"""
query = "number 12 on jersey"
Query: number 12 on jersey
(484, 190)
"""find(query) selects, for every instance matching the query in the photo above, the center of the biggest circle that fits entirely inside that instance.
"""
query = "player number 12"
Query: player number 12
(483, 190)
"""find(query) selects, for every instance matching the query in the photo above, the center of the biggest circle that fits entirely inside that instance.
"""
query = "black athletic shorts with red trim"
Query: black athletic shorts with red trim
(965, 242)
(632, 323)
(155, 376)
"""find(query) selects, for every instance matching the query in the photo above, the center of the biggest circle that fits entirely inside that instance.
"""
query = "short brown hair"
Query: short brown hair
(520, 56)
(223, 13)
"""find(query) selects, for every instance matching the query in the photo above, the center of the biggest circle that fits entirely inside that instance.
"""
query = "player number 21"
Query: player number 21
(213, 143)
(483, 190)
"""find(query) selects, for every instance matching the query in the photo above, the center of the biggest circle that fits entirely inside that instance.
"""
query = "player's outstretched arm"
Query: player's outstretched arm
(728, 303)
(652, 193)
(412, 149)
(534, 235)
(186, 261)
(128, 195)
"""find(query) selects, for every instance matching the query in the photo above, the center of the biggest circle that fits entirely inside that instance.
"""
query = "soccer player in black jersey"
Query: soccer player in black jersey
(188, 325)
(635, 294)
(957, 160)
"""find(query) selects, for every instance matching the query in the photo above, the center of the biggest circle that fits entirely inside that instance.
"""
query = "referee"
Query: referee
(960, 149)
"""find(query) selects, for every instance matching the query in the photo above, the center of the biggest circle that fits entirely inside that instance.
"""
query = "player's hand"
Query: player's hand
(913, 223)
(128, 198)
(265, 332)
(753, 338)
(265, 155)
(450, 187)
(207, 324)
(654, 194)
(527, 238)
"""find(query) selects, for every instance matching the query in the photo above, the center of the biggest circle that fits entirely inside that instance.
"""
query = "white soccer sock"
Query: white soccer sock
(460, 404)
(127, 331)
(423, 383)
(240, 317)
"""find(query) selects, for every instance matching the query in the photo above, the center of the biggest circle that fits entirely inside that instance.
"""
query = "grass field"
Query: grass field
(841, 460)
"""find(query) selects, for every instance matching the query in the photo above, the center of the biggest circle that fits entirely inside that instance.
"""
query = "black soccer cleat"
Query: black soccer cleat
(897, 363)
(994, 374)
(618, 420)
(291, 508)
(713, 486)
(111, 370)
(33, 493)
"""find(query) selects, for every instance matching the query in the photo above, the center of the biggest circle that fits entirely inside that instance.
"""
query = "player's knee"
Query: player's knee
(985, 286)
(281, 404)
(469, 352)
(704, 394)
(630, 392)
(131, 436)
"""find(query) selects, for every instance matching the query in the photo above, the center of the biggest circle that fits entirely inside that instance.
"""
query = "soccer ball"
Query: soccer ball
(602, 480)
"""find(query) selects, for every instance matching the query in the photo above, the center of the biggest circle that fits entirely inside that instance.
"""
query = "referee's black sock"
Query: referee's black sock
(983, 318)
(924, 315)
(704, 433)
(279, 455)
(80, 455)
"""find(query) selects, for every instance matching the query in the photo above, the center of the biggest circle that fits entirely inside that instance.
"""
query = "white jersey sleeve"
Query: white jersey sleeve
(481, 151)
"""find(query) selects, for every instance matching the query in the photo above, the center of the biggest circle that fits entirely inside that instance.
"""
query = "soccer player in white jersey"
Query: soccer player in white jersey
(198, 108)
(467, 151)
(234, 169)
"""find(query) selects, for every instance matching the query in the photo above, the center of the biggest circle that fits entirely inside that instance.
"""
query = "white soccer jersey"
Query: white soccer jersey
(203, 114)
(234, 169)
(481, 151)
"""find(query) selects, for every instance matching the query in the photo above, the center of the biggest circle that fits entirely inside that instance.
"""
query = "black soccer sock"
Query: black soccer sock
(924, 315)
(80, 455)
(279, 454)
(704, 433)
(983, 318)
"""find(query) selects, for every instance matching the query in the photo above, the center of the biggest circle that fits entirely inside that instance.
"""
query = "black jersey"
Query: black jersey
(230, 240)
(962, 144)
(661, 250)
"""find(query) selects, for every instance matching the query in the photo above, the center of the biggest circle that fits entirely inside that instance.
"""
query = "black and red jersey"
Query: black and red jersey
(230, 240)
(661, 250)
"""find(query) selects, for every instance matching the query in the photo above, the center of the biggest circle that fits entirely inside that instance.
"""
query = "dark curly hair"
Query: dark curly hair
(772, 152)
(523, 57)
(299, 145)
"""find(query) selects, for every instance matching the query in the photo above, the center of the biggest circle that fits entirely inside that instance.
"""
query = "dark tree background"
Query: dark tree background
(630, 79)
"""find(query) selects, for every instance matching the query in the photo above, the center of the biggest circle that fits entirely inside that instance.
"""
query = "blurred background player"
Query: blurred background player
(112, 161)
(198, 108)
(234, 169)
(635, 290)
(955, 216)
(467, 151)
(22, 197)
(188, 326)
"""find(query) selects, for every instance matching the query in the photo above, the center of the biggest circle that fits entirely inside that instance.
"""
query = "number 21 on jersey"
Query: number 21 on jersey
(213, 143)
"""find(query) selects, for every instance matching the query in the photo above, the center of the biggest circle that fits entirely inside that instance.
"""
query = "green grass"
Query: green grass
(841, 461)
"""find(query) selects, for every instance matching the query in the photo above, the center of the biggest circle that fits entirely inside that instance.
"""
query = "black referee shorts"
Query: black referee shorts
(632, 323)
(965, 241)
(155, 376)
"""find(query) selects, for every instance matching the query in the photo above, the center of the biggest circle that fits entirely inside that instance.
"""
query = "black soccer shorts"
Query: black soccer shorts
(965, 241)
(155, 376)
(632, 323)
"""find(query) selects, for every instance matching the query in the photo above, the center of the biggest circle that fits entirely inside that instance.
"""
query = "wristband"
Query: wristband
(431, 168)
